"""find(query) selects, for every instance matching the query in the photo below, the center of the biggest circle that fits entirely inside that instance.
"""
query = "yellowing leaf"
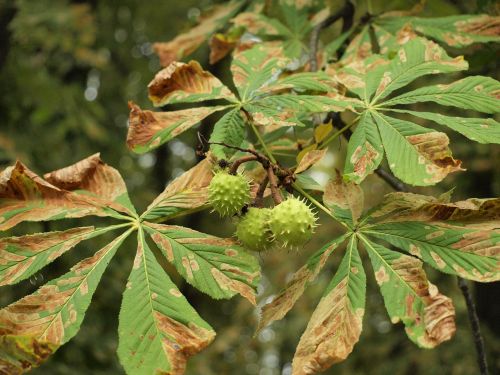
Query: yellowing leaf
(321, 131)
(309, 158)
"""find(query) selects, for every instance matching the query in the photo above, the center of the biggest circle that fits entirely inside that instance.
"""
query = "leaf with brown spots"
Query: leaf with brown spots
(216, 266)
(186, 83)
(221, 44)
(186, 193)
(428, 316)
(344, 199)
(336, 324)
(88, 187)
(20, 354)
(185, 44)
(285, 300)
(471, 251)
(148, 130)
(158, 329)
(52, 315)
(364, 151)
(21, 257)
(455, 31)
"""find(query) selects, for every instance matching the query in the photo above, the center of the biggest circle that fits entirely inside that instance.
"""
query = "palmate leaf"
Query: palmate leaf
(218, 267)
(184, 44)
(169, 330)
(409, 297)
(158, 329)
(416, 155)
(335, 325)
(285, 300)
(51, 316)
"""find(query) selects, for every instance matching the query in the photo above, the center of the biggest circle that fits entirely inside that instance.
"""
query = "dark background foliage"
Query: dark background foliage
(67, 70)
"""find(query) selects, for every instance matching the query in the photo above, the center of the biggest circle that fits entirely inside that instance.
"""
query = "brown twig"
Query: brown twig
(345, 13)
(235, 165)
(273, 183)
(259, 196)
(476, 330)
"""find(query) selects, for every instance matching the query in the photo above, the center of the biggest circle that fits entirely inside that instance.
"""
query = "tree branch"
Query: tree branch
(476, 330)
(346, 13)
(259, 197)
(235, 165)
(273, 183)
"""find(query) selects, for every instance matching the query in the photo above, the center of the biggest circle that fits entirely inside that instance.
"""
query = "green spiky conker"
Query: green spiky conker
(228, 193)
(292, 222)
(253, 229)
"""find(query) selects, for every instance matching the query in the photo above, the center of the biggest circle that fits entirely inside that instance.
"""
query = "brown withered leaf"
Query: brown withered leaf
(345, 199)
(148, 130)
(24, 196)
(94, 176)
(186, 192)
(20, 354)
(286, 299)
(335, 325)
(185, 44)
(186, 83)
(309, 159)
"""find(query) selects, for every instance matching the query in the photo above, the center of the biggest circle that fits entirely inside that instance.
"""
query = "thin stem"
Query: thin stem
(476, 330)
(273, 183)
(262, 143)
(339, 132)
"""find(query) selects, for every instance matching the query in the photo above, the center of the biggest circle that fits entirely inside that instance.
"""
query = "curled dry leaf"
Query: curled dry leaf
(185, 44)
(148, 130)
(309, 159)
(345, 199)
(186, 83)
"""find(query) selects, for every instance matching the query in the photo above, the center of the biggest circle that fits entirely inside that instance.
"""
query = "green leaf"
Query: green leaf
(256, 68)
(416, 155)
(21, 257)
(231, 130)
(186, 83)
(417, 58)
(185, 194)
(364, 151)
(148, 130)
(286, 299)
(476, 93)
(409, 297)
(336, 324)
(52, 315)
(158, 329)
(215, 266)
(466, 251)
(455, 31)
(482, 130)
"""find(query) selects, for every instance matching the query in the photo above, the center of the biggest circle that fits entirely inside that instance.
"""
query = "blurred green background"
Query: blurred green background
(67, 70)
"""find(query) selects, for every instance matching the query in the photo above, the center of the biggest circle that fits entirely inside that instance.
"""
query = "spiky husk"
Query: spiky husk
(292, 222)
(228, 193)
(253, 229)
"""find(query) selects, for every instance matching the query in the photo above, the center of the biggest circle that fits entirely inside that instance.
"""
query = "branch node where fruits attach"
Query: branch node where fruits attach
(273, 183)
